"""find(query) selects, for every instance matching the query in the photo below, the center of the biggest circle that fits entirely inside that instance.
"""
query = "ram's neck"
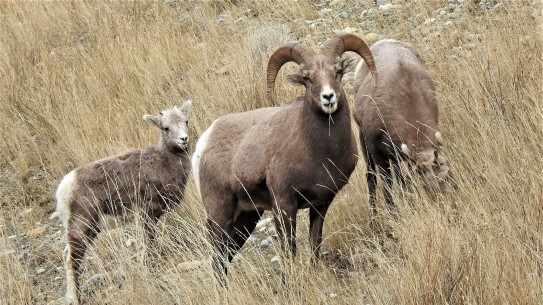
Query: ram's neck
(326, 130)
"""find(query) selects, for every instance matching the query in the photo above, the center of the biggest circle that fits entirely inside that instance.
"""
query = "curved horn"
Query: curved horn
(296, 52)
(343, 42)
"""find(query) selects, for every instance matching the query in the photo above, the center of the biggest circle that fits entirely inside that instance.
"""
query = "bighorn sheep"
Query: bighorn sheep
(281, 158)
(400, 112)
(152, 178)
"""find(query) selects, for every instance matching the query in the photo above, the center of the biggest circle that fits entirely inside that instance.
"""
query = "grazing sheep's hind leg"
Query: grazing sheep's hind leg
(386, 173)
(371, 178)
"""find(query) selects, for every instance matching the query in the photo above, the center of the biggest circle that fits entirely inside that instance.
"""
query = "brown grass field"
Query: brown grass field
(76, 77)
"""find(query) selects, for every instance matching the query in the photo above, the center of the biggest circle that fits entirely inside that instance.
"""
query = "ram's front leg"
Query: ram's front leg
(316, 222)
(285, 211)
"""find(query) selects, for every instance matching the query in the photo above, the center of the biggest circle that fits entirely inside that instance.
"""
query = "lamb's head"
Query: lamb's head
(431, 164)
(174, 125)
(321, 74)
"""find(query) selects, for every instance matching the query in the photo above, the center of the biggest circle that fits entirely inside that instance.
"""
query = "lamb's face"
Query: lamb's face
(322, 80)
(174, 125)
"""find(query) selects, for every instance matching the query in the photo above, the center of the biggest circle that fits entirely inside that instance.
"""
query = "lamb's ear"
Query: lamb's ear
(187, 106)
(152, 120)
(296, 78)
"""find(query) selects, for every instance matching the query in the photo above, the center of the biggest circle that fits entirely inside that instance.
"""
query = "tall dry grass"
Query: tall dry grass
(76, 77)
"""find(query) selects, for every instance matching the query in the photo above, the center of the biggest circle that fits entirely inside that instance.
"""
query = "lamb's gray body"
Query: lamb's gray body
(151, 179)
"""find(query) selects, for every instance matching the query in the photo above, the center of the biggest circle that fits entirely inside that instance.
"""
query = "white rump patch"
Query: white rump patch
(201, 146)
(64, 196)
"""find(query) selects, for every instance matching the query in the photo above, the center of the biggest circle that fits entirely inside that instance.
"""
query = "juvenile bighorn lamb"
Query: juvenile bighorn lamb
(281, 158)
(400, 112)
(152, 179)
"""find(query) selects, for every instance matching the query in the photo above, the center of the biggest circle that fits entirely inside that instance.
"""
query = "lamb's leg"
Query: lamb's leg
(316, 221)
(285, 211)
(150, 221)
(81, 231)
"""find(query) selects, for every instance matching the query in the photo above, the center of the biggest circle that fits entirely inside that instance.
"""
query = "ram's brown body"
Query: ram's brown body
(284, 158)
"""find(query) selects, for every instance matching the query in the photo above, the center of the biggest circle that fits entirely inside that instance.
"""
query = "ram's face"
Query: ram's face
(322, 80)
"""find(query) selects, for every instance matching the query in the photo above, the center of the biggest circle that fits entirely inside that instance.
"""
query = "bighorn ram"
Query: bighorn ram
(398, 119)
(152, 178)
(281, 158)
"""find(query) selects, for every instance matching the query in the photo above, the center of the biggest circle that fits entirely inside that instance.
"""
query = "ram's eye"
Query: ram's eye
(339, 71)
(305, 78)
(186, 122)
(166, 129)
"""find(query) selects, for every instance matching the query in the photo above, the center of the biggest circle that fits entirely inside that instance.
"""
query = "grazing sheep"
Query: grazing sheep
(152, 179)
(398, 119)
(281, 158)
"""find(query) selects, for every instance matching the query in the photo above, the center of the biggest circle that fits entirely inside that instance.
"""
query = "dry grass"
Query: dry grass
(76, 78)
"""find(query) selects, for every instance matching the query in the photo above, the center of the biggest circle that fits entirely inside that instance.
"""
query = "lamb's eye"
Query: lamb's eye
(166, 129)
(339, 72)
(306, 78)
(186, 122)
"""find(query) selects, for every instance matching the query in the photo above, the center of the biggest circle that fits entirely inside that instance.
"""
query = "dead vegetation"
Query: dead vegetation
(67, 68)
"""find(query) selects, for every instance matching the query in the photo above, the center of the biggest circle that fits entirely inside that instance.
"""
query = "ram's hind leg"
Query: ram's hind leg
(244, 225)
(220, 225)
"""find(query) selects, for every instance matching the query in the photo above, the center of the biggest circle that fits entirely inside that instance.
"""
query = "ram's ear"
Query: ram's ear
(296, 78)
(152, 120)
